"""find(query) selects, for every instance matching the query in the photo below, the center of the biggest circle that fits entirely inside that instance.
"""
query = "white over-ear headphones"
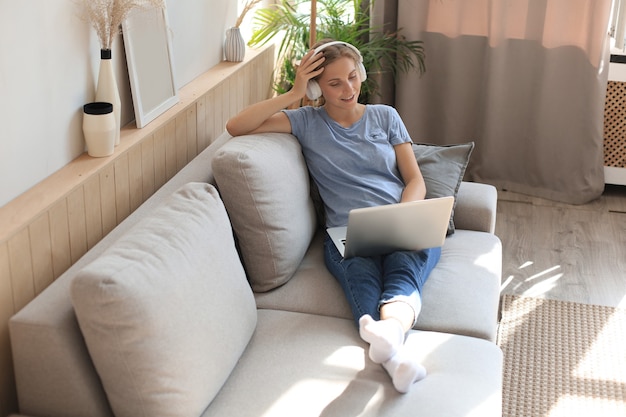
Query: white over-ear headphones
(313, 90)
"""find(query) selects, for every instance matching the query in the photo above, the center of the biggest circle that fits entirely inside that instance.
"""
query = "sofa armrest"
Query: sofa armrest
(476, 205)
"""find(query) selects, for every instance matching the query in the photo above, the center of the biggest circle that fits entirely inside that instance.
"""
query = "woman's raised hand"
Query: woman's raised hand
(307, 70)
(266, 115)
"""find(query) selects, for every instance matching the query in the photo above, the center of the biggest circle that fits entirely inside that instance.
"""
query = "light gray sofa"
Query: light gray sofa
(161, 318)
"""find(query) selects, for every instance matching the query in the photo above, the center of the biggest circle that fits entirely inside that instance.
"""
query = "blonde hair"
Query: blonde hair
(334, 52)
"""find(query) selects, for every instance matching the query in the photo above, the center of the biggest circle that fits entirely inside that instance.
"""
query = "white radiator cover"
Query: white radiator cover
(615, 126)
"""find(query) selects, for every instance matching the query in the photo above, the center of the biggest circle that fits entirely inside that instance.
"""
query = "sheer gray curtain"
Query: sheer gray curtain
(524, 79)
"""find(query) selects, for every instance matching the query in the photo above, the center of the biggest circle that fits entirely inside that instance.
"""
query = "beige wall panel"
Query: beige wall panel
(234, 94)
(134, 177)
(249, 77)
(7, 309)
(241, 89)
(93, 211)
(21, 265)
(59, 238)
(269, 62)
(122, 188)
(201, 131)
(225, 104)
(8, 396)
(255, 88)
(192, 133)
(220, 114)
(159, 158)
(170, 149)
(41, 248)
(77, 224)
(147, 167)
(181, 141)
(209, 119)
(6, 289)
(107, 199)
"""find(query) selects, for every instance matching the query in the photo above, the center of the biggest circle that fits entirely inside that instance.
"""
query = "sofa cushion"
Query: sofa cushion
(443, 168)
(166, 311)
(460, 296)
(264, 183)
(325, 371)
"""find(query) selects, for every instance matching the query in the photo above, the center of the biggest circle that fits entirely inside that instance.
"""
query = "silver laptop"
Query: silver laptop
(383, 229)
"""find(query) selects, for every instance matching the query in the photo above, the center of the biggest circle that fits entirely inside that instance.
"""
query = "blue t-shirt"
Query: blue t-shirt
(353, 167)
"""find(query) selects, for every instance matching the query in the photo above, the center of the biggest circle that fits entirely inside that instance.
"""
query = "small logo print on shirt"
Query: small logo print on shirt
(377, 136)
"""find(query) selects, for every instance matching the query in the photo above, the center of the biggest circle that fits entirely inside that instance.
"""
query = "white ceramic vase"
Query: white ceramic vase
(106, 90)
(234, 45)
(99, 128)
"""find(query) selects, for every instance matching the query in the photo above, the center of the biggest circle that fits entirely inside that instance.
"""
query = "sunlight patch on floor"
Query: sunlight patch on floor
(511, 278)
(526, 264)
(506, 283)
(543, 287)
(572, 405)
(546, 279)
(544, 272)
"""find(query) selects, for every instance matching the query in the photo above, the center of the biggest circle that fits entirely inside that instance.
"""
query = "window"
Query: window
(617, 26)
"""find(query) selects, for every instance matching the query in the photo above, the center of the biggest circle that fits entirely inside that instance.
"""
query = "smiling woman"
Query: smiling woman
(384, 291)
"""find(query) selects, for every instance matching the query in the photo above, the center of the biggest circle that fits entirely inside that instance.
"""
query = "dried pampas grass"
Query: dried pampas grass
(107, 15)
(246, 8)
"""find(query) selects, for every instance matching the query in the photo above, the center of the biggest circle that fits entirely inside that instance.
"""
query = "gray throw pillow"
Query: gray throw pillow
(264, 183)
(166, 311)
(443, 167)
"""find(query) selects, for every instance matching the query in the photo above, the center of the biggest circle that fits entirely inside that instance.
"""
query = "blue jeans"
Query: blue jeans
(369, 282)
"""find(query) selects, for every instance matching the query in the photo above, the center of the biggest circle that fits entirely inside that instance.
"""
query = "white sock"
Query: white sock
(384, 337)
(404, 370)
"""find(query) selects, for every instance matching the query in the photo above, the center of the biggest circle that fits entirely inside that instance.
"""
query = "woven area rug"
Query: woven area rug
(562, 358)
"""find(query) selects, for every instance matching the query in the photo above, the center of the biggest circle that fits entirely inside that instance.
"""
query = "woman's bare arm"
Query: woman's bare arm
(266, 116)
(414, 186)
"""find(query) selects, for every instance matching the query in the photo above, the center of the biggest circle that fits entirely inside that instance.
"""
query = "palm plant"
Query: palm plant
(344, 20)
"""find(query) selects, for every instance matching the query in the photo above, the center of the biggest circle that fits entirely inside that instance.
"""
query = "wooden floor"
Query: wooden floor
(564, 252)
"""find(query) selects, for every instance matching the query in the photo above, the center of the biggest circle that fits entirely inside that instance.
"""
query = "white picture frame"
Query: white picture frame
(148, 47)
